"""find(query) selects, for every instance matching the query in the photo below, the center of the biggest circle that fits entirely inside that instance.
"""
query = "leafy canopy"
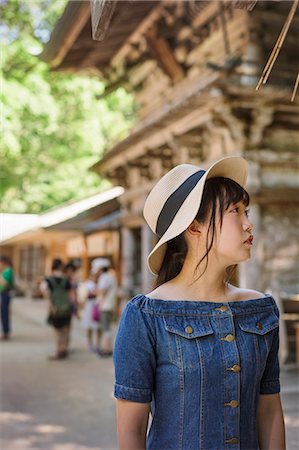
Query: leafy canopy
(54, 126)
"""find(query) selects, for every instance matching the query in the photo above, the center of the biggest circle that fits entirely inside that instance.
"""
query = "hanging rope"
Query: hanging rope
(295, 88)
(277, 46)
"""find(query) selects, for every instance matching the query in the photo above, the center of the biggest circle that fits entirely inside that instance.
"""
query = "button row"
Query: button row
(235, 368)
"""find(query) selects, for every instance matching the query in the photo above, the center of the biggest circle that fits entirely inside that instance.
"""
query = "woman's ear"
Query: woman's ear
(194, 228)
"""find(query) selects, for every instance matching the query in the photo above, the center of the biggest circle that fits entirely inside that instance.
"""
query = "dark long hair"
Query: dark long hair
(218, 194)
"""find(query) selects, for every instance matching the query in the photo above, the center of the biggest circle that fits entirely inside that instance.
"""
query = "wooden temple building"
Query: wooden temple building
(193, 67)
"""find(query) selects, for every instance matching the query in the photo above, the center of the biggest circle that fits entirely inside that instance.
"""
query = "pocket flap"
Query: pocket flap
(260, 323)
(188, 327)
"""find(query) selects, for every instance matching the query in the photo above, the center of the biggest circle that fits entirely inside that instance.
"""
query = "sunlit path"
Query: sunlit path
(62, 405)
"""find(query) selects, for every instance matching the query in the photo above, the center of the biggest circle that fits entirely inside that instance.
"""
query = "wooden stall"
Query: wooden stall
(76, 232)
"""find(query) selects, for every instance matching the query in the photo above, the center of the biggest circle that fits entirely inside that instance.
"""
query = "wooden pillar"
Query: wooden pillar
(84, 258)
(128, 246)
(146, 247)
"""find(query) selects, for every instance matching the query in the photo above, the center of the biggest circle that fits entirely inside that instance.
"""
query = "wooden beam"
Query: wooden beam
(66, 32)
(270, 196)
(101, 15)
(196, 118)
(164, 56)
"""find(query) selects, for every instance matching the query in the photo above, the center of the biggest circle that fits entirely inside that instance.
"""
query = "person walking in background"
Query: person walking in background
(106, 298)
(70, 272)
(58, 290)
(6, 283)
(197, 352)
(91, 312)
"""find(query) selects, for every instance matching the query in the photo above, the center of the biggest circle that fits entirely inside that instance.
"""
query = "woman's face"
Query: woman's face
(233, 242)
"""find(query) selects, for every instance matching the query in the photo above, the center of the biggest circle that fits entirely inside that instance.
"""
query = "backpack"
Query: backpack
(62, 306)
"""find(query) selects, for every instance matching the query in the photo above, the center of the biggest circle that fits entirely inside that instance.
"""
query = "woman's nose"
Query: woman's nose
(248, 226)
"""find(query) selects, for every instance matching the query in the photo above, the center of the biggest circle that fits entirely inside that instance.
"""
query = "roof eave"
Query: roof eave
(66, 31)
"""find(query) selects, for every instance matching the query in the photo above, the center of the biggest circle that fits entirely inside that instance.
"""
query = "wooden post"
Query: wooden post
(85, 266)
(297, 343)
(128, 246)
(146, 247)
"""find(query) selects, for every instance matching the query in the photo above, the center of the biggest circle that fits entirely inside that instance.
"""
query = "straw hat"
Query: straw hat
(174, 201)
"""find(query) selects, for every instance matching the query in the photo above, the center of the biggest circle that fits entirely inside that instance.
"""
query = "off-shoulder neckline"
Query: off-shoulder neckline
(185, 301)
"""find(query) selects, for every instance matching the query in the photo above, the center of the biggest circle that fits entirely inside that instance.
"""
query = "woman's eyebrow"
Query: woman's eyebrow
(238, 204)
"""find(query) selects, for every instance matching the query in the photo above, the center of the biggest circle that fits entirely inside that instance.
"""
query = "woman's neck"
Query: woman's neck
(200, 284)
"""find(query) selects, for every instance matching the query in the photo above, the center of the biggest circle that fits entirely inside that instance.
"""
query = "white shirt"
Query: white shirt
(107, 282)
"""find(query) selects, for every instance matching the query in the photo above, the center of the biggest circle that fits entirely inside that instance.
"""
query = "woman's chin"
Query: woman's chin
(241, 259)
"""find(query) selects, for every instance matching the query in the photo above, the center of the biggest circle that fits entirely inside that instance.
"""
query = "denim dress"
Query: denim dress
(202, 366)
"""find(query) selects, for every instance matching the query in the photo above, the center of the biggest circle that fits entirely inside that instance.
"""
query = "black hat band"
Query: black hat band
(175, 201)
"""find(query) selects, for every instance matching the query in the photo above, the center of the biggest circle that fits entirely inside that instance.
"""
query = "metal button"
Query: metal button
(259, 325)
(189, 329)
(222, 308)
(232, 404)
(232, 441)
(228, 338)
(235, 368)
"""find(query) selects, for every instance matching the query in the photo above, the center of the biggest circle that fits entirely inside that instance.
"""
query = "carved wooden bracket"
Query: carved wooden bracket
(165, 57)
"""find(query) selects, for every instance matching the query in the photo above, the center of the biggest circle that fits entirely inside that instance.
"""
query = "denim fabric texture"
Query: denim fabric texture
(202, 366)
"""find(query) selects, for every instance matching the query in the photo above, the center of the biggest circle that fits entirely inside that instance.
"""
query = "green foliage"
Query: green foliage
(54, 126)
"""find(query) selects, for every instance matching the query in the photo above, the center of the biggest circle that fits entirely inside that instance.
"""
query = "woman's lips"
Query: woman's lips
(249, 240)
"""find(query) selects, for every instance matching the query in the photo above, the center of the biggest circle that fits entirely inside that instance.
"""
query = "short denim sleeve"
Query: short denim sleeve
(134, 356)
(270, 383)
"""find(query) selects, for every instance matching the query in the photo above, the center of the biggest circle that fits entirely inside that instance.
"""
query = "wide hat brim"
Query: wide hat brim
(234, 167)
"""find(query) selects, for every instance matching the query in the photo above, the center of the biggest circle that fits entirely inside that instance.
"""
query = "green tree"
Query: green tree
(54, 127)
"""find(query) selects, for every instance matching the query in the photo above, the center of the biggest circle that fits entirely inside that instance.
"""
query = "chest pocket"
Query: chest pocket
(261, 327)
(186, 338)
(259, 323)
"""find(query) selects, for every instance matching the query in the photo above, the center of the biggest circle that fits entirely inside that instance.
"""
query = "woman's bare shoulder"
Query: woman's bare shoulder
(157, 293)
(245, 294)
(165, 291)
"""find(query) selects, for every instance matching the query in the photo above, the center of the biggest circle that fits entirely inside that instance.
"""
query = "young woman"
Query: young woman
(57, 288)
(198, 353)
